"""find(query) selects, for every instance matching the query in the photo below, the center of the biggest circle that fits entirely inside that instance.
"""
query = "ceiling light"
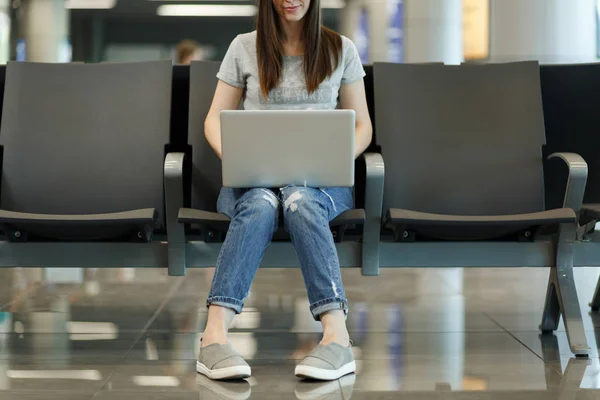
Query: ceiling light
(90, 4)
(206, 10)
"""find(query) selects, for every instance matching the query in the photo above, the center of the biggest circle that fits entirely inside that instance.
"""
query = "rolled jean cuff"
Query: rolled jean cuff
(334, 303)
(228, 302)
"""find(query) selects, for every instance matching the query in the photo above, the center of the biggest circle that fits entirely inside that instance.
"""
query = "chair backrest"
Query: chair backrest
(206, 166)
(571, 111)
(370, 95)
(180, 108)
(84, 138)
(461, 140)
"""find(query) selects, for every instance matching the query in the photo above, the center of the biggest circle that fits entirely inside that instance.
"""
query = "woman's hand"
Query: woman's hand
(353, 97)
(226, 97)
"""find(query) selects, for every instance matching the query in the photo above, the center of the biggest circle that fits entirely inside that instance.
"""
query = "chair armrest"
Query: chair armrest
(578, 173)
(375, 177)
(173, 179)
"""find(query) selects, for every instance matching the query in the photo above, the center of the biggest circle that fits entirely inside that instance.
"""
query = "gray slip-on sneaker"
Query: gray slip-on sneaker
(327, 363)
(220, 362)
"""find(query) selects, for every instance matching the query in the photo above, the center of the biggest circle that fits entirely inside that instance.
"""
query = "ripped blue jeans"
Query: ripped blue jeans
(254, 217)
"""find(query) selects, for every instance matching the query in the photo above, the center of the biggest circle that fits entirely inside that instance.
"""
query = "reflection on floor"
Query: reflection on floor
(423, 334)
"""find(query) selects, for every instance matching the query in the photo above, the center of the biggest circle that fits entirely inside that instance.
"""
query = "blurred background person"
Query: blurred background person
(187, 51)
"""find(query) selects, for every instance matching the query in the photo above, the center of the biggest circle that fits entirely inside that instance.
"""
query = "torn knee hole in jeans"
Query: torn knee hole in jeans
(291, 204)
(270, 197)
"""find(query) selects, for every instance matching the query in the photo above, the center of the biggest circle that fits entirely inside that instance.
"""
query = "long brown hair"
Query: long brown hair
(322, 47)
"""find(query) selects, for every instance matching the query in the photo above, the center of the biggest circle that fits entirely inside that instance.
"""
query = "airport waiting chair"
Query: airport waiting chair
(208, 227)
(464, 185)
(82, 167)
(570, 94)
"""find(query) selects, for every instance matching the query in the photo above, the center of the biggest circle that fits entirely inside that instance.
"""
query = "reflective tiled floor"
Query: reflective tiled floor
(423, 334)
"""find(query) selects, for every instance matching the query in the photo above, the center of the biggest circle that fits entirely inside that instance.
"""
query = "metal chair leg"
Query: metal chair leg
(561, 296)
(551, 316)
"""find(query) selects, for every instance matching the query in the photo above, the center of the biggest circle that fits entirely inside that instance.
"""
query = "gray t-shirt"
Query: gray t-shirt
(240, 69)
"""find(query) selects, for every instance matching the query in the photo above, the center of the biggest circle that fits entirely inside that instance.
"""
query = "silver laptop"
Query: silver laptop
(272, 149)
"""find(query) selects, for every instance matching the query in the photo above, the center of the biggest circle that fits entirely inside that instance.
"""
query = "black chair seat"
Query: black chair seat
(212, 220)
(415, 218)
(220, 222)
(135, 223)
(356, 216)
(143, 216)
(406, 224)
(591, 211)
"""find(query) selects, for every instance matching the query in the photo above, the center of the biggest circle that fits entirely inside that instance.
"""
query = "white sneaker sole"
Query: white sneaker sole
(237, 372)
(307, 372)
